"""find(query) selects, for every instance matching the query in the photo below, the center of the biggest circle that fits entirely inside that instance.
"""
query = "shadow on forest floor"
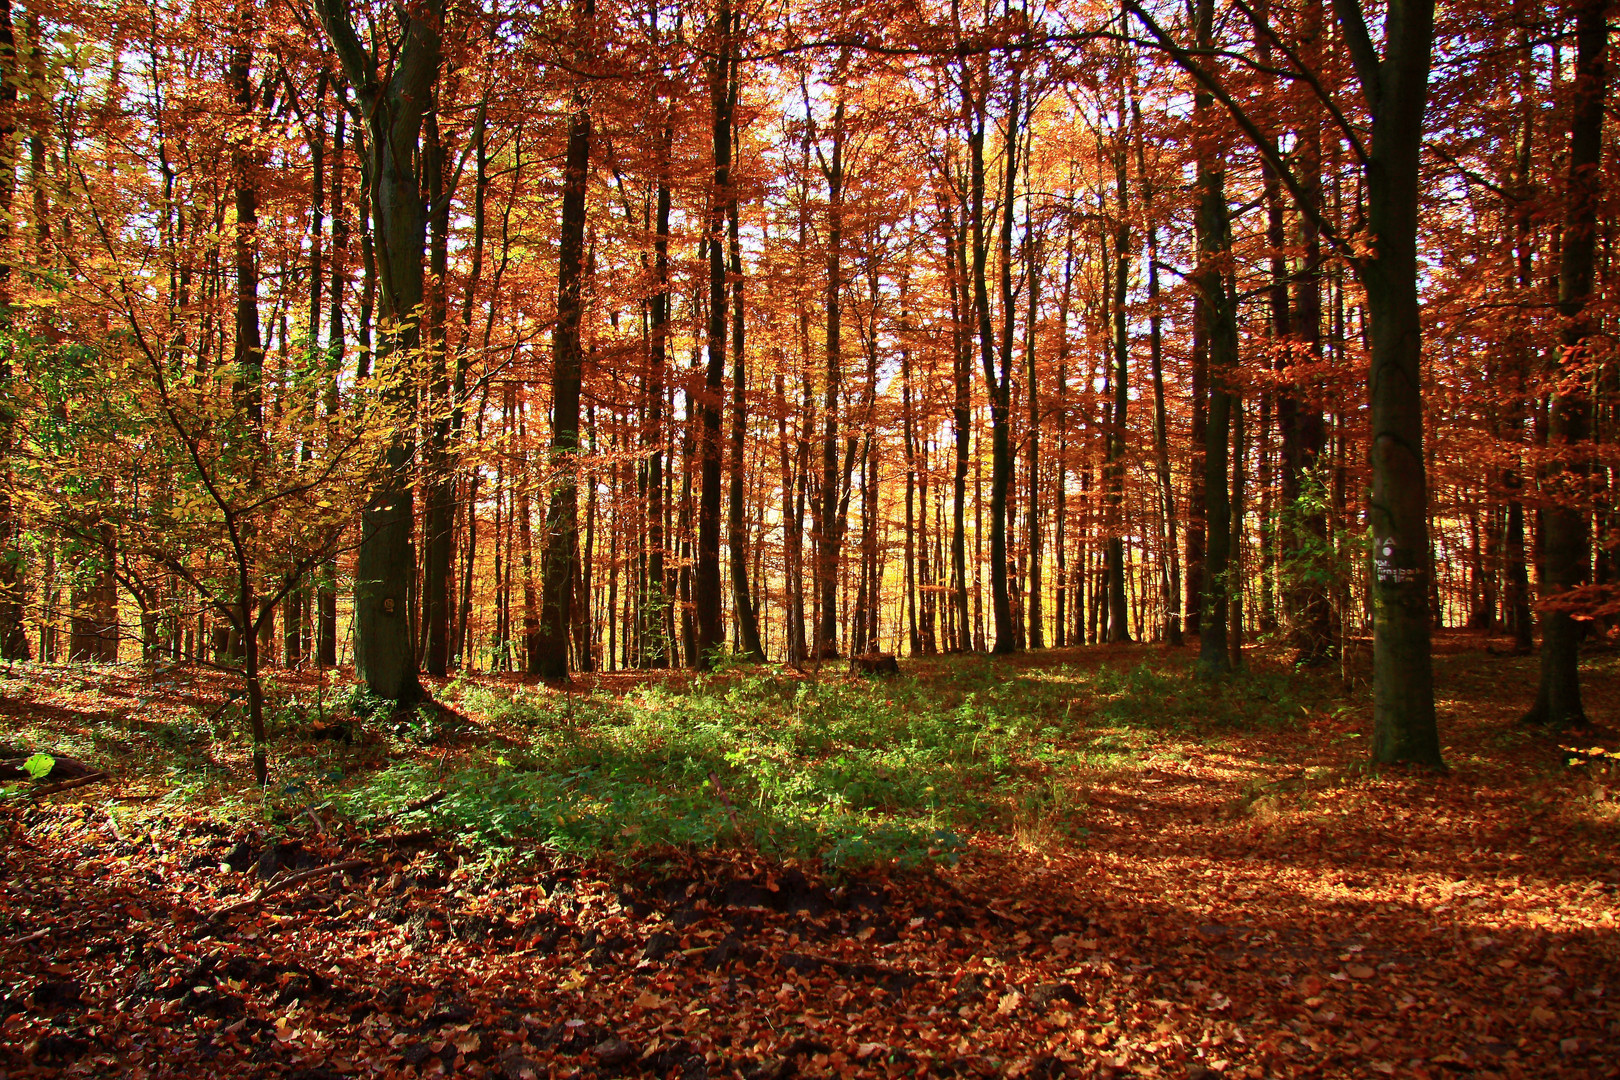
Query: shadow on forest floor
(1077, 862)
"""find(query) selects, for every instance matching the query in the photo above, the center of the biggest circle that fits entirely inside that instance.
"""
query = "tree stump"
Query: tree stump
(874, 664)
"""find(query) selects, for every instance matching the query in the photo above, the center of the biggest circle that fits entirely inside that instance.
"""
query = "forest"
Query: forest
(869, 537)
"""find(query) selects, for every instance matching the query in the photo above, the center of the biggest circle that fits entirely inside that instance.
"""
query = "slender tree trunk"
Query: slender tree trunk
(1032, 527)
(828, 540)
(998, 384)
(13, 637)
(439, 525)
(1118, 630)
(550, 659)
(655, 641)
(961, 424)
(1216, 308)
(706, 576)
(742, 599)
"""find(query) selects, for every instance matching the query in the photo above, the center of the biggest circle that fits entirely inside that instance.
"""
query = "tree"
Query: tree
(1566, 545)
(393, 109)
(1394, 89)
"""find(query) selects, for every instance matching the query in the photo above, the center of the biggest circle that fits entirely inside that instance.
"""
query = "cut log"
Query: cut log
(66, 785)
(874, 664)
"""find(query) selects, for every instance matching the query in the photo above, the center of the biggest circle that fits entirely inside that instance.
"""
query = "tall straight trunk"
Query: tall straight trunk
(792, 528)
(1566, 543)
(1197, 525)
(461, 598)
(706, 576)
(1517, 593)
(1032, 528)
(909, 435)
(1061, 466)
(550, 658)
(13, 637)
(1304, 434)
(326, 586)
(1235, 563)
(1216, 308)
(683, 530)
(438, 541)
(524, 516)
(742, 599)
(655, 641)
(248, 356)
(804, 458)
(828, 541)
(384, 653)
(1396, 85)
(998, 385)
(1170, 565)
(961, 421)
(1118, 630)
(583, 623)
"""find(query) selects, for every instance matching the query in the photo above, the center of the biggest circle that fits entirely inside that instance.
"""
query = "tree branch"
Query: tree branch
(1264, 145)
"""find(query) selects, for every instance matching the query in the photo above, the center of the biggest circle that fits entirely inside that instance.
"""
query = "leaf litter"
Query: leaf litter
(1259, 905)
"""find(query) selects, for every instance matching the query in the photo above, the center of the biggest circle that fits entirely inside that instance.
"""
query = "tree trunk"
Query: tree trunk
(549, 660)
(384, 652)
(998, 384)
(655, 643)
(828, 540)
(1403, 681)
(1216, 307)
(1566, 543)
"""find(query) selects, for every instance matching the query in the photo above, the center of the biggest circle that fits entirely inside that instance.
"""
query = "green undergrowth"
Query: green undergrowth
(850, 771)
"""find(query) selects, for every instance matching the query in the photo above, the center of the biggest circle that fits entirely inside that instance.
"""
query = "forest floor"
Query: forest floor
(1077, 862)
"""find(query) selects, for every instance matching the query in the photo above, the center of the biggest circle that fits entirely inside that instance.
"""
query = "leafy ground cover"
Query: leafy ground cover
(1071, 863)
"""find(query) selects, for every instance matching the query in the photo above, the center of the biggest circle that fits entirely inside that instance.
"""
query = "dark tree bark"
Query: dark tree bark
(1118, 615)
(998, 384)
(742, 598)
(1218, 315)
(706, 575)
(1566, 542)
(655, 641)
(830, 534)
(326, 586)
(438, 541)
(1394, 87)
(550, 658)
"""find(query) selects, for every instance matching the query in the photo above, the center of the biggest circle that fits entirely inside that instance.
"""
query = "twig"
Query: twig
(411, 807)
(279, 884)
(26, 938)
(730, 810)
(77, 781)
